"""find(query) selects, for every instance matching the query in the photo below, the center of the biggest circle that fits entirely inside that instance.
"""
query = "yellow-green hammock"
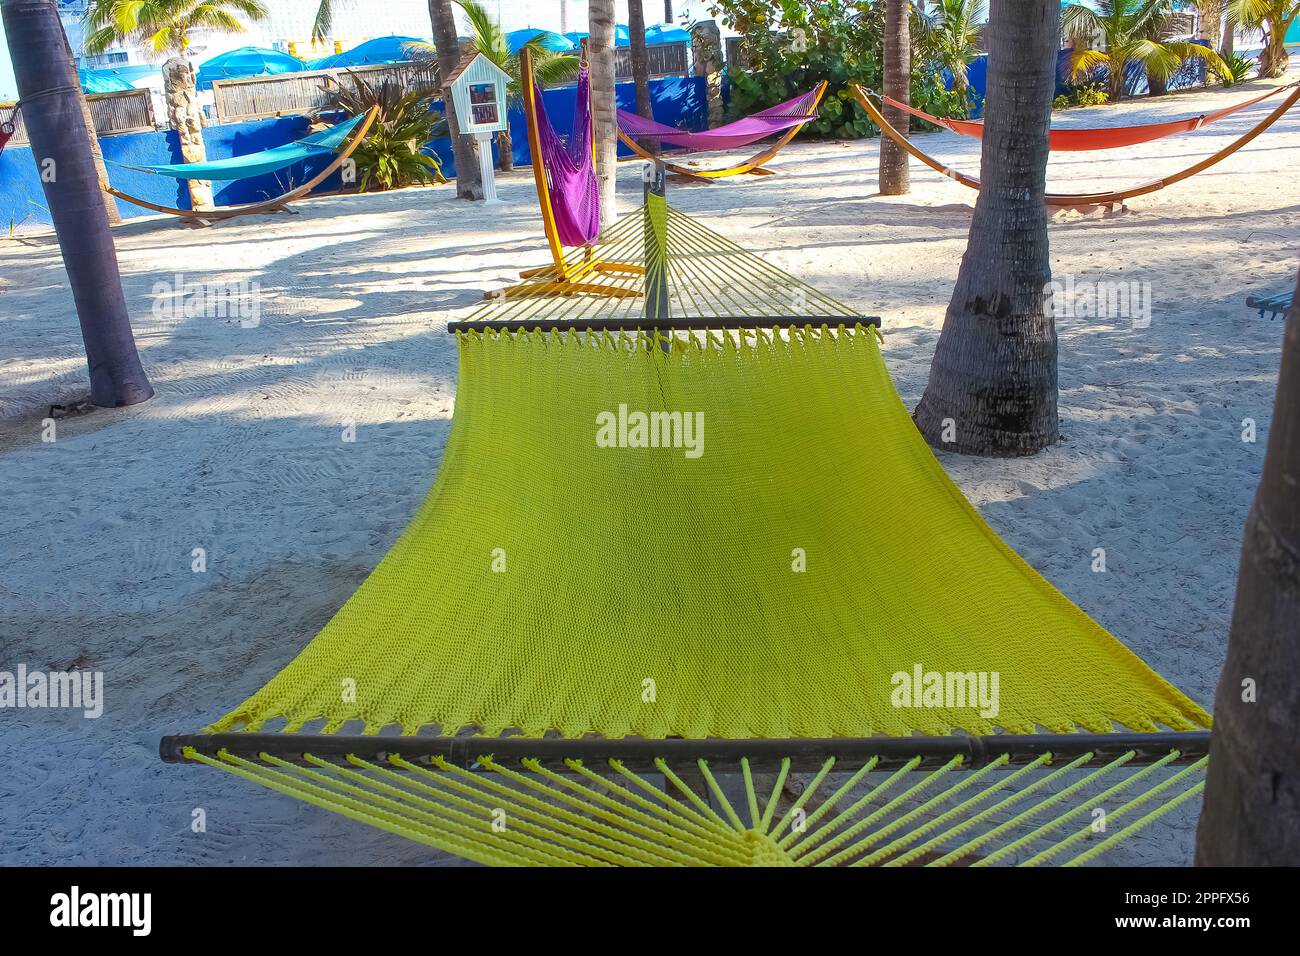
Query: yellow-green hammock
(622, 646)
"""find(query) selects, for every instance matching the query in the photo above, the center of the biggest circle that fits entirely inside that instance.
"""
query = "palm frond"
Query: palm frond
(1083, 62)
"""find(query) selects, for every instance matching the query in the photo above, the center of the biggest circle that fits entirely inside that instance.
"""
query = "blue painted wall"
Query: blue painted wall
(677, 101)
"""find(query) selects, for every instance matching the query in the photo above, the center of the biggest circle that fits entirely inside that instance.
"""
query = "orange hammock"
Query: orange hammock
(1099, 137)
(1079, 199)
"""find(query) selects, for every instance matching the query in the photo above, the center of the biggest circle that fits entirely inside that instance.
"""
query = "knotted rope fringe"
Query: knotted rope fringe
(532, 815)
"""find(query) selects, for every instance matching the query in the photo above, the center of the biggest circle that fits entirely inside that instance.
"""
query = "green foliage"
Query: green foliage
(791, 46)
(164, 25)
(393, 153)
(1131, 29)
(1087, 94)
(1236, 68)
(949, 36)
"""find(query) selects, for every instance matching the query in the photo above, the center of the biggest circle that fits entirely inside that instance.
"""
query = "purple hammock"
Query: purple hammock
(731, 136)
(571, 169)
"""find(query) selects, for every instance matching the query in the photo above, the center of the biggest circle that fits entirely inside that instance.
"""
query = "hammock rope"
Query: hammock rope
(1064, 200)
(356, 134)
(524, 733)
(1100, 137)
(789, 116)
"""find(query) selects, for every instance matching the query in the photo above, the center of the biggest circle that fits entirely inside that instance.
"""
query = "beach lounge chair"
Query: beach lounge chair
(1273, 304)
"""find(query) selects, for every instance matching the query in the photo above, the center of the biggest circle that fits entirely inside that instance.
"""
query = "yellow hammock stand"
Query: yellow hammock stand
(568, 274)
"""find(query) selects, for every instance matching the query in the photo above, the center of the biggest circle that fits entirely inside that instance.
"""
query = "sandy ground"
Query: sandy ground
(240, 453)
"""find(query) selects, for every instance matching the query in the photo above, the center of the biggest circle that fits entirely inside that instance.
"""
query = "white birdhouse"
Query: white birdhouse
(478, 93)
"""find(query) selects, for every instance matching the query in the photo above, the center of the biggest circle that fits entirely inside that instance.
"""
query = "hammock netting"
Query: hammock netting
(1105, 137)
(742, 132)
(755, 564)
(571, 168)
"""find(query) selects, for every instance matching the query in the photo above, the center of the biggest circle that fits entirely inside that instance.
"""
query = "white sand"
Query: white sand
(240, 451)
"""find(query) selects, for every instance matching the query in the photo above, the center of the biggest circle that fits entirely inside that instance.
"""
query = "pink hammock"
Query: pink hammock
(1097, 137)
(742, 132)
(571, 169)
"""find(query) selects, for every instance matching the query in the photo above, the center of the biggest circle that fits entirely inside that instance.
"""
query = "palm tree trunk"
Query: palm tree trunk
(110, 204)
(600, 54)
(1229, 37)
(1251, 815)
(895, 176)
(668, 11)
(640, 57)
(505, 151)
(56, 129)
(992, 388)
(468, 183)
(180, 89)
(1273, 59)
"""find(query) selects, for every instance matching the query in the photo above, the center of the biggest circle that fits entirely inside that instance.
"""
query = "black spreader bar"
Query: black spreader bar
(670, 324)
(639, 754)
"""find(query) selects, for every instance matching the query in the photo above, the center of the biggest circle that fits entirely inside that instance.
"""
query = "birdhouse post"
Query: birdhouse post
(478, 94)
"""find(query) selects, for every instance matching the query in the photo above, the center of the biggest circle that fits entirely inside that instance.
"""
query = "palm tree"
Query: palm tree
(600, 58)
(952, 33)
(1211, 21)
(468, 183)
(894, 171)
(56, 129)
(1129, 28)
(640, 57)
(1251, 815)
(1274, 17)
(164, 26)
(992, 388)
(488, 38)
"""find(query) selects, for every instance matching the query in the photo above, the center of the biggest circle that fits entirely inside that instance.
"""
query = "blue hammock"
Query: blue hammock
(324, 143)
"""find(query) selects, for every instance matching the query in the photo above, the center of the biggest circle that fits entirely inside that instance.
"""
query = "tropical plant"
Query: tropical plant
(1086, 94)
(164, 26)
(56, 129)
(487, 37)
(1236, 68)
(1251, 815)
(1129, 28)
(1274, 19)
(789, 47)
(950, 36)
(394, 152)
(993, 380)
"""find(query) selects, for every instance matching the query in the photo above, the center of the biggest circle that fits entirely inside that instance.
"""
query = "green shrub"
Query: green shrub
(393, 152)
(789, 47)
(1236, 69)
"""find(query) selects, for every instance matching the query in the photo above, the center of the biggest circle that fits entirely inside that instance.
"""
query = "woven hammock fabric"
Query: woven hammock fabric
(731, 135)
(571, 168)
(1102, 137)
(324, 143)
(547, 583)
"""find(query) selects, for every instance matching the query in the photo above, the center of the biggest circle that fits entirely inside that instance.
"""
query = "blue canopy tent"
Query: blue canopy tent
(665, 33)
(374, 52)
(517, 39)
(246, 61)
(102, 81)
(621, 36)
